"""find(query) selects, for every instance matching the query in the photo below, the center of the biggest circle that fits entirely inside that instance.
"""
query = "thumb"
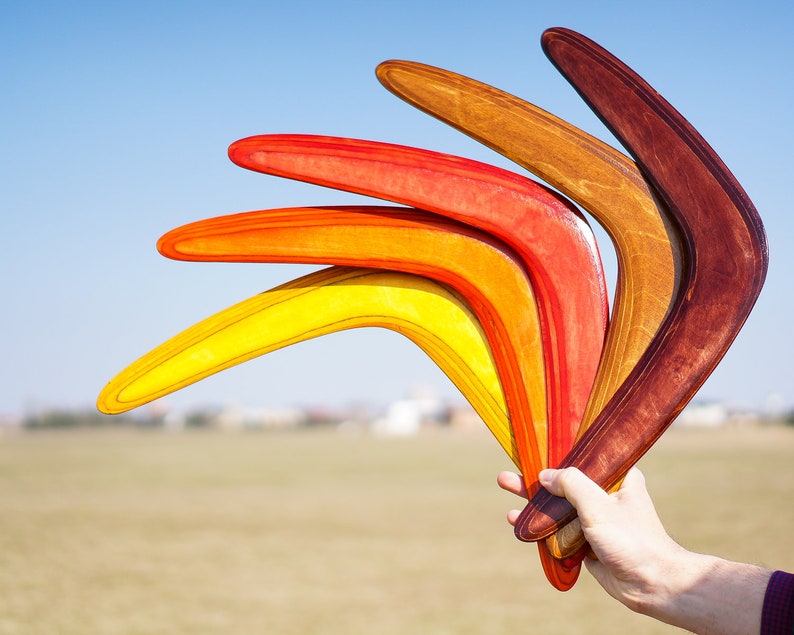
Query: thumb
(572, 484)
(634, 481)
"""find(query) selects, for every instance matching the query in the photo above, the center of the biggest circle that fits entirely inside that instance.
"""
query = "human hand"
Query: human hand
(623, 528)
(640, 565)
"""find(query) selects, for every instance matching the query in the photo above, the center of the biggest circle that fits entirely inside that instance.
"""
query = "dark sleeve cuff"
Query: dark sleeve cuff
(778, 615)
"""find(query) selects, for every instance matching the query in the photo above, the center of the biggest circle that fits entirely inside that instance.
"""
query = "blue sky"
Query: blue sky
(116, 118)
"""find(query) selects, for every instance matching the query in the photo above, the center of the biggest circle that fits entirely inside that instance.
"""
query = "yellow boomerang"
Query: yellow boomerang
(338, 298)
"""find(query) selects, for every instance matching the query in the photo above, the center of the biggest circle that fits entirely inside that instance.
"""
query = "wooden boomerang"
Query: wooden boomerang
(725, 265)
(334, 299)
(484, 272)
(551, 237)
(476, 265)
(596, 176)
(599, 178)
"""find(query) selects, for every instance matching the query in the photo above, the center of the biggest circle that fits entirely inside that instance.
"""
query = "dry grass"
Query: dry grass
(122, 532)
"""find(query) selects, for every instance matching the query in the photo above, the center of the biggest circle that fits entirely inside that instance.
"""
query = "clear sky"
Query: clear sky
(116, 118)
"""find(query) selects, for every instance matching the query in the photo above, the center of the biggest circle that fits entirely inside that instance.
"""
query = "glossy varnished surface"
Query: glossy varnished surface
(724, 269)
(603, 181)
(484, 271)
(327, 301)
(550, 236)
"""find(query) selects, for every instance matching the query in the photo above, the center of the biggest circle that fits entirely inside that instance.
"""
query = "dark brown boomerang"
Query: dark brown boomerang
(725, 265)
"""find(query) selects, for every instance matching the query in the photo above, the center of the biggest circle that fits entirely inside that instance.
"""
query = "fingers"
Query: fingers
(513, 483)
(568, 483)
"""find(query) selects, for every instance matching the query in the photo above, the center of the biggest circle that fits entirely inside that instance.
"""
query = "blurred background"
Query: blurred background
(116, 118)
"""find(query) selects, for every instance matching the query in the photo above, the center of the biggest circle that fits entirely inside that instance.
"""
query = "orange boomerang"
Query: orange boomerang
(485, 272)
(482, 270)
(550, 236)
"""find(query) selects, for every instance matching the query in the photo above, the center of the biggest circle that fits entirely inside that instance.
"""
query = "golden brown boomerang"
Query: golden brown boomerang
(602, 180)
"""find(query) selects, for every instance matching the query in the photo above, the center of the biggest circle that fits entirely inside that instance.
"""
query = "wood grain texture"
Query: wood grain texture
(550, 236)
(602, 180)
(725, 265)
(486, 273)
(430, 314)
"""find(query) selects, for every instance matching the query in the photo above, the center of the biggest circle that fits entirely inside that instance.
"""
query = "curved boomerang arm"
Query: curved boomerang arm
(485, 272)
(476, 266)
(550, 236)
(327, 301)
(602, 180)
(725, 267)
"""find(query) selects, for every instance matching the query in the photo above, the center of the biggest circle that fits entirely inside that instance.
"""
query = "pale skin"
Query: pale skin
(641, 566)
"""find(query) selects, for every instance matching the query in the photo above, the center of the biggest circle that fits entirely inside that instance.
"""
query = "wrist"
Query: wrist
(706, 594)
(664, 578)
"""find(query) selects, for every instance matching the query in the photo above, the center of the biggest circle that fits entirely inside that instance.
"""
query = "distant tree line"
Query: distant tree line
(62, 419)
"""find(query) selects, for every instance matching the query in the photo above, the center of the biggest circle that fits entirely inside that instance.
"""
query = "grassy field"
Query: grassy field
(132, 532)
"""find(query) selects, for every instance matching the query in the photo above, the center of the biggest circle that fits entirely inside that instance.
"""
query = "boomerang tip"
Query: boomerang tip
(128, 390)
(549, 35)
(543, 515)
(108, 401)
(388, 70)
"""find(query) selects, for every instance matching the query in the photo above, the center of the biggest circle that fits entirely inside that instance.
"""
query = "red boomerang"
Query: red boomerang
(549, 234)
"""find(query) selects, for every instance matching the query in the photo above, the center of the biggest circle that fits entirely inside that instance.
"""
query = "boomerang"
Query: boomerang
(725, 265)
(484, 272)
(550, 236)
(331, 300)
(602, 180)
